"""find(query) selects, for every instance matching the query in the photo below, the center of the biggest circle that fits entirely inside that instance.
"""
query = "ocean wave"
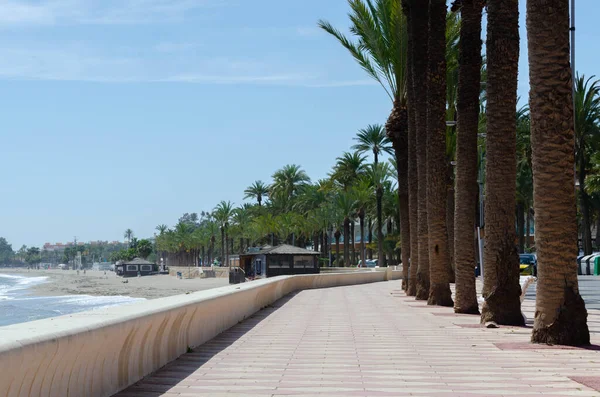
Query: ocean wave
(10, 283)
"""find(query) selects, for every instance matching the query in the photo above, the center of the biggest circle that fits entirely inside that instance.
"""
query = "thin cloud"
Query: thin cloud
(308, 31)
(346, 83)
(58, 12)
(278, 79)
(80, 62)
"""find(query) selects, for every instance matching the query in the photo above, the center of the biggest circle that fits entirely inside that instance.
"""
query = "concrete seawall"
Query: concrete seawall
(99, 353)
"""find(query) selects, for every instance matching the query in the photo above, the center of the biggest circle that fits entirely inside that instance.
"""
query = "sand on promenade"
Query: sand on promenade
(96, 283)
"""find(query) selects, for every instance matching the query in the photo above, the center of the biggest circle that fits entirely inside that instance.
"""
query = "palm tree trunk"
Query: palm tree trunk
(527, 226)
(413, 181)
(521, 226)
(346, 241)
(352, 234)
(501, 289)
(370, 226)
(598, 230)
(361, 218)
(584, 203)
(223, 246)
(439, 292)
(560, 314)
(241, 245)
(337, 248)
(420, 20)
(380, 255)
(450, 204)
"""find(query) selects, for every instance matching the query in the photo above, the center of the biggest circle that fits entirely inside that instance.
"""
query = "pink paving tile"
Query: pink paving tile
(340, 341)
(426, 306)
(535, 346)
(452, 314)
(469, 325)
(593, 382)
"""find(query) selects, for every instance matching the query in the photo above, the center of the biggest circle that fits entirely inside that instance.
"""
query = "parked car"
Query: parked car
(528, 264)
(368, 263)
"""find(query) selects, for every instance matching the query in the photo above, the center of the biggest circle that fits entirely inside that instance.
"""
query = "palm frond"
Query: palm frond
(380, 48)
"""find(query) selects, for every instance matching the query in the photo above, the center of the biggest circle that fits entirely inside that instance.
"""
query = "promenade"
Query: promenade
(372, 340)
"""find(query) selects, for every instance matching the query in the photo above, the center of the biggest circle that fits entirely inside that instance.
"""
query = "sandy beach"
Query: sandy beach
(96, 283)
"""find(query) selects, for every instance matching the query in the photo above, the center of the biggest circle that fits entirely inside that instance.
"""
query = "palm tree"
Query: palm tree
(413, 181)
(242, 219)
(222, 214)
(363, 197)
(378, 174)
(524, 174)
(373, 139)
(587, 129)
(382, 49)
(469, 79)
(258, 191)
(419, 17)
(501, 289)
(345, 204)
(560, 314)
(452, 42)
(161, 229)
(439, 292)
(348, 168)
(128, 235)
(286, 183)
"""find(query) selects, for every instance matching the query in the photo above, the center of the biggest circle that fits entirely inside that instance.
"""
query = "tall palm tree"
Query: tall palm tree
(373, 139)
(242, 219)
(286, 183)
(587, 129)
(348, 168)
(524, 174)
(452, 41)
(161, 229)
(469, 79)
(223, 213)
(439, 261)
(363, 197)
(345, 204)
(413, 181)
(128, 235)
(560, 314)
(258, 191)
(378, 174)
(419, 16)
(382, 51)
(501, 289)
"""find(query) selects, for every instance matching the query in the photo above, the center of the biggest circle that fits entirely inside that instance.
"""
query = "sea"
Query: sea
(18, 305)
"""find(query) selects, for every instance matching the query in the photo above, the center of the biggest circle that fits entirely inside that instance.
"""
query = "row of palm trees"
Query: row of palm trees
(407, 47)
(290, 209)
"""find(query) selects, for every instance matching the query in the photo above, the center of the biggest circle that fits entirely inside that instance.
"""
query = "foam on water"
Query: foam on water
(10, 283)
(17, 306)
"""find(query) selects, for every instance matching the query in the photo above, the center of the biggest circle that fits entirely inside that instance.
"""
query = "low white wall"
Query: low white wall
(99, 353)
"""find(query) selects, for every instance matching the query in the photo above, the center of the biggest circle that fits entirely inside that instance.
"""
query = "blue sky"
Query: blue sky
(127, 113)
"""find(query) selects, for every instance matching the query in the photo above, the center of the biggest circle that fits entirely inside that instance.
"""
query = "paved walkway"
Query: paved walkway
(372, 340)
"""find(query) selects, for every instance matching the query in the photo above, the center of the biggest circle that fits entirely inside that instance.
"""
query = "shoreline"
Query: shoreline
(95, 283)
